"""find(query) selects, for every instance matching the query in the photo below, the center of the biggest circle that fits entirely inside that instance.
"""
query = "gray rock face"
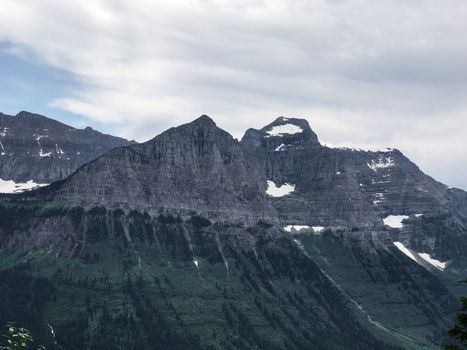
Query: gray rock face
(34, 147)
(341, 186)
(199, 168)
(195, 167)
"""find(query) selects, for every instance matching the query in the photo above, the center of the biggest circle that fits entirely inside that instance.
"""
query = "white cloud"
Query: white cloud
(365, 73)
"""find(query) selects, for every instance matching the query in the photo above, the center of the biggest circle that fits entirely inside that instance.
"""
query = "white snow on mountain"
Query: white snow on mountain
(395, 221)
(436, 263)
(43, 154)
(404, 250)
(279, 191)
(280, 147)
(413, 255)
(284, 129)
(9, 186)
(381, 163)
(291, 228)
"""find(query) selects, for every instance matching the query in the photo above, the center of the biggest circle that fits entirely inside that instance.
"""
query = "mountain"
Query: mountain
(36, 150)
(351, 189)
(196, 240)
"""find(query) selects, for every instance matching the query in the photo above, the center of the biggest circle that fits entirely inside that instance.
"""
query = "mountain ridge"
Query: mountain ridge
(42, 150)
(271, 242)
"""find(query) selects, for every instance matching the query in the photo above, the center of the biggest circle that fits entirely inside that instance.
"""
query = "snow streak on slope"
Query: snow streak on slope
(412, 255)
(436, 263)
(404, 250)
(9, 186)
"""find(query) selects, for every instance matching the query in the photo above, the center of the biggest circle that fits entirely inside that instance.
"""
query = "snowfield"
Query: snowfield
(9, 186)
(279, 191)
(395, 221)
(285, 129)
(426, 257)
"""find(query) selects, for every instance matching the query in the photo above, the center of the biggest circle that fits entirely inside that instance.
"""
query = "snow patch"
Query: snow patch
(358, 149)
(280, 148)
(298, 228)
(395, 221)
(436, 263)
(282, 190)
(3, 148)
(285, 129)
(58, 150)
(42, 154)
(9, 186)
(289, 228)
(381, 163)
(404, 250)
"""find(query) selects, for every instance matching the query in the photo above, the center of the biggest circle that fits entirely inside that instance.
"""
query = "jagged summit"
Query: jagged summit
(36, 148)
(199, 167)
(195, 167)
(289, 132)
(283, 126)
(202, 127)
(26, 114)
(204, 119)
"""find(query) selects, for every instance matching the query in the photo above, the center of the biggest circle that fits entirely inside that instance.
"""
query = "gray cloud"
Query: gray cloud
(365, 73)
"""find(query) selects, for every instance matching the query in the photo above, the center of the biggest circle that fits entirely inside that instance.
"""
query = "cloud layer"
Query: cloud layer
(364, 73)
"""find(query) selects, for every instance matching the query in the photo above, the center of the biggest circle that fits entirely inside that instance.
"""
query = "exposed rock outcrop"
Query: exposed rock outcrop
(37, 148)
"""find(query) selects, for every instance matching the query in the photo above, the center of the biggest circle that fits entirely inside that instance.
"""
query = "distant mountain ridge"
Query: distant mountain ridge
(41, 150)
(271, 242)
(199, 168)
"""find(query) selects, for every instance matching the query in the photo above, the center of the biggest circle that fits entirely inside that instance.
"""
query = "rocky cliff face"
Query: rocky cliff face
(280, 174)
(196, 167)
(301, 236)
(41, 150)
(345, 189)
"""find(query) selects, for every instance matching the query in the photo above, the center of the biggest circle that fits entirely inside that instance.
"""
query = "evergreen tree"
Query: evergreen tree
(17, 339)
(459, 331)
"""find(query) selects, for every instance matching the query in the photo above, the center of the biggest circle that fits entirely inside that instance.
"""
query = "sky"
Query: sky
(367, 74)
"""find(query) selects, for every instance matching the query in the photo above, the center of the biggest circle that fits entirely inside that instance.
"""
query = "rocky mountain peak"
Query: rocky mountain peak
(283, 131)
(26, 114)
(37, 149)
(195, 167)
(204, 120)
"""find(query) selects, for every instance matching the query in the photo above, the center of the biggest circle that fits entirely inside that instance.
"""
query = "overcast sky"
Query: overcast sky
(367, 74)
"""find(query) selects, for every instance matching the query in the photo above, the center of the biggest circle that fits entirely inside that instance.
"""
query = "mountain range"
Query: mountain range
(196, 240)
(36, 150)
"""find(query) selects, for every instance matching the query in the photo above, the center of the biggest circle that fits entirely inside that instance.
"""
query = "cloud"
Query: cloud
(364, 73)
